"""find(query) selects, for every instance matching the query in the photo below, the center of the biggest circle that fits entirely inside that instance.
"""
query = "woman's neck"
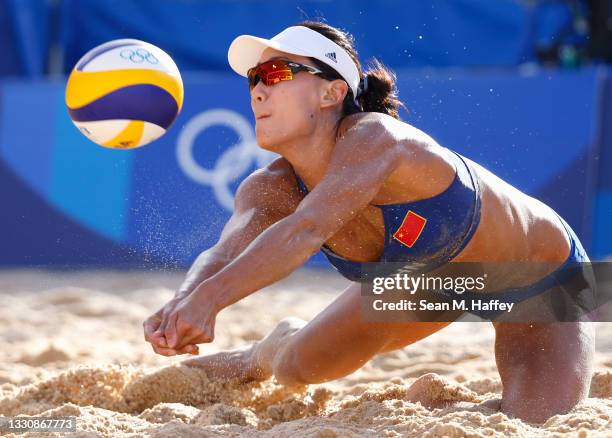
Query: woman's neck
(309, 156)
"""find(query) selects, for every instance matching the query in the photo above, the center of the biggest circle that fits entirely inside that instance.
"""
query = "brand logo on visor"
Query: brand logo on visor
(332, 56)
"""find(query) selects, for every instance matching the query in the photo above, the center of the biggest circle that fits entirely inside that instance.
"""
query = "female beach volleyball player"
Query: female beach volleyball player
(363, 186)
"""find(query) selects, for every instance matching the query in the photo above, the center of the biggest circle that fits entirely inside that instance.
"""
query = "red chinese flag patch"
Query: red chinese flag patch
(410, 229)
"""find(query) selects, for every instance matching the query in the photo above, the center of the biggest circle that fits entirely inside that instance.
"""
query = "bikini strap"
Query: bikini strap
(464, 167)
(300, 184)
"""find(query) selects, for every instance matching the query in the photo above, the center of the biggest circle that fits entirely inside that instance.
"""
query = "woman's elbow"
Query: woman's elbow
(307, 234)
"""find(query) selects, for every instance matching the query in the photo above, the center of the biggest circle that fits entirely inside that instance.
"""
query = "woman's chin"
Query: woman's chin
(266, 142)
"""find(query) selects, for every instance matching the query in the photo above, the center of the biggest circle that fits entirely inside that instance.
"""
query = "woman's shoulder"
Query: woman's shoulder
(366, 119)
(375, 124)
(272, 185)
(278, 174)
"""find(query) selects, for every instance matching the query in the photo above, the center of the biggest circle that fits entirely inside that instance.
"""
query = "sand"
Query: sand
(73, 345)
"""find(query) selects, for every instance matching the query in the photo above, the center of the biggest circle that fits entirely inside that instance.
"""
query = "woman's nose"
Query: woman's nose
(258, 92)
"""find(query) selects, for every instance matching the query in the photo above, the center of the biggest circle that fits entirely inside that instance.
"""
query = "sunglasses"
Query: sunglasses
(272, 72)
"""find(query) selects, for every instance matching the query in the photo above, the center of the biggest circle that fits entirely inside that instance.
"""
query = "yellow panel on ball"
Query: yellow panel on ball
(128, 138)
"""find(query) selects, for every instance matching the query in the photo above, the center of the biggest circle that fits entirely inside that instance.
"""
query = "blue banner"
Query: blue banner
(71, 202)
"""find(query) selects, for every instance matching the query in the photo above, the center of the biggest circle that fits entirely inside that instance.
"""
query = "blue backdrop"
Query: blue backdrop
(404, 33)
(68, 201)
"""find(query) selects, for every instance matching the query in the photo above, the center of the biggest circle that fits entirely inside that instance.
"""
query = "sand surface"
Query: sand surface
(73, 345)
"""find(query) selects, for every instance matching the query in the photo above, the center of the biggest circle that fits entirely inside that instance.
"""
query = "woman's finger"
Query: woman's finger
(150, 325)
(170, 331)
(167, 311)
(163, 351)
(189, 349)
(196, 335)
(159, 340)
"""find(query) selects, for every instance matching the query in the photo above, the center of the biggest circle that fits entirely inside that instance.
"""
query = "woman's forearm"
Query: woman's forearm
(205, 266)
(273, 255)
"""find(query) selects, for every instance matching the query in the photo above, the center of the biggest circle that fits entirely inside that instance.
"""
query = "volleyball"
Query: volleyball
(124, 94)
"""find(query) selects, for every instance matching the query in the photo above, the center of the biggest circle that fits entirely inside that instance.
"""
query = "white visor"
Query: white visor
(245, 51)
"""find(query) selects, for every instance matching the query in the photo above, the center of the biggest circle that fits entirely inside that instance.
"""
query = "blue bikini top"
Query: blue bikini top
(425, 234)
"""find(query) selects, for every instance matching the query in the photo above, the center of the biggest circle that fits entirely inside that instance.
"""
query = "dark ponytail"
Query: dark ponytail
(378, 92)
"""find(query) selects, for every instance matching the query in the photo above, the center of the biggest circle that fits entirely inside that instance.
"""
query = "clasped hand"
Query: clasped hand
(182, 323)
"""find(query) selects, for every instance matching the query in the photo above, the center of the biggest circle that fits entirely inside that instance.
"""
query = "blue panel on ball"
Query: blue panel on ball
(146, 102)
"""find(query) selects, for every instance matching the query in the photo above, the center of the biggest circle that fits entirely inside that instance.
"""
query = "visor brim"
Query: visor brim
(245, 51)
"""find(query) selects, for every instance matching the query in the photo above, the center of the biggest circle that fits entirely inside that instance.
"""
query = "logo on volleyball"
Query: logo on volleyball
(139, 55)
(232, 164)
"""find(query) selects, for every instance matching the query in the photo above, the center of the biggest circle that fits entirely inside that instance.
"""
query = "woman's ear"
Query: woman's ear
(334, 93)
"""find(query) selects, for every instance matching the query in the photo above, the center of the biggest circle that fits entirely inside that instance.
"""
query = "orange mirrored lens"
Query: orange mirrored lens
(270, 73)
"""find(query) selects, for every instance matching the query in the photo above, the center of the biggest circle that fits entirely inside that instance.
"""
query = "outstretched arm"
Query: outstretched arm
(362, 161)
(262, 199)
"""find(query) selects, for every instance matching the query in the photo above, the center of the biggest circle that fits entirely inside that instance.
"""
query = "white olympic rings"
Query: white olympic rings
(138, 56)
(233, 162)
